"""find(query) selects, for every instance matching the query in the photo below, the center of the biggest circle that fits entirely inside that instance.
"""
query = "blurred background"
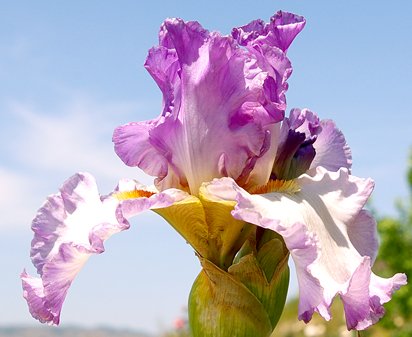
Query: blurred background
(72, 71)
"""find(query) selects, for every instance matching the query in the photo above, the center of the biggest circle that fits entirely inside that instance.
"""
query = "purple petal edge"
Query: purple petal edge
(330, 226)
(73, 225)
(220, 100)
(366, 294)
(68, 229)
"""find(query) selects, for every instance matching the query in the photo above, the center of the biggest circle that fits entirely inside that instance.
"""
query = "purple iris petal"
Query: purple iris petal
(332, 151)
(329, 143)
(303, 120)
(261, 171)
(365, 295)
(269, 43)
(307, 142)
(136, 136)
(303, 158)
(280, 32)
(294, 156)
(162, 64)
(220, 102)
(296, 150)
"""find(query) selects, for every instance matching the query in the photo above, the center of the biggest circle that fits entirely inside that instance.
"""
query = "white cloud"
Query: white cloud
(17, 201)
(50, 147)
(52, 142)
(77, 138)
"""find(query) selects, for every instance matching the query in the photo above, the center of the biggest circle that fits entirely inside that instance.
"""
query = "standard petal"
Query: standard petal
(163, 64)
(332, 151)
(285, 27)
(268, 43)
(303, 121)
(262, 169)
(296, 151)
(133, 144)
(280, 32)
(68, 229)
(307, 142)
(220, 102)
(317, 223)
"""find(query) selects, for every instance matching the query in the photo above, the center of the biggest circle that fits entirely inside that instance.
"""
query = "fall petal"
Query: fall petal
(68, 229)
(363, 301)
(363, 234)
(315, 222)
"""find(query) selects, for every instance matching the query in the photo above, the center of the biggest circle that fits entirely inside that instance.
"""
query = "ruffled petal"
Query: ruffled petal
(220, 101)
(315, 222)
(285, 27)
(363, 301)
(303, 121)
(269, 43)
(163, 65)
(332, 151)
(280, 32)
(307, 142)
(296, 150)
(133, 145)
(73, 225)
(33, 292)
(262, 169)
(68, 229)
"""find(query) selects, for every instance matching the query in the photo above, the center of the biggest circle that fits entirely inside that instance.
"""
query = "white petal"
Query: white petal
(318, 224)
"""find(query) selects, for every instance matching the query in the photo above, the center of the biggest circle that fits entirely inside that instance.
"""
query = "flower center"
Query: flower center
(280, 186)
(134, 194)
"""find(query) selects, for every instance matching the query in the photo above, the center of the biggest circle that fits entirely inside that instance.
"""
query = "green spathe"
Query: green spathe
(241, 290)
(245, 301)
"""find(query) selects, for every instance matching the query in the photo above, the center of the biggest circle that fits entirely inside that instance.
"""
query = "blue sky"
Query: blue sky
(72, 71)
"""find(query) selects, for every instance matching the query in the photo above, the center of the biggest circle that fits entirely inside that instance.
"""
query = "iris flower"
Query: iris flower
(221, 140)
